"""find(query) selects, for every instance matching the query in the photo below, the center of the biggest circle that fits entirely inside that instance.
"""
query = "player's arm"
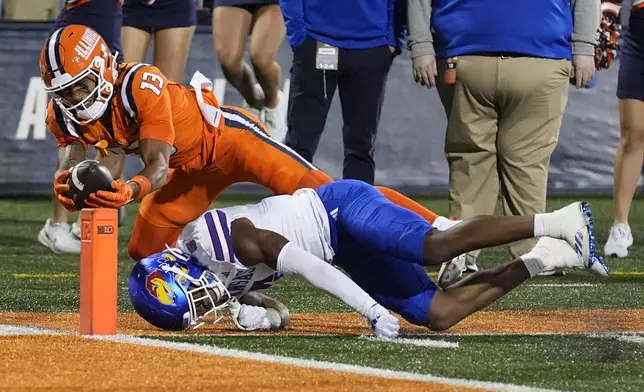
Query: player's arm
(253, 246)
(156, 135)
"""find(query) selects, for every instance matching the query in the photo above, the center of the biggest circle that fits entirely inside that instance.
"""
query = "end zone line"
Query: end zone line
(314, 364)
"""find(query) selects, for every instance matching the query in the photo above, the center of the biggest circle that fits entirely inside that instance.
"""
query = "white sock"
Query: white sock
(541, 224)
(294, 260)
(441, 223)
(533, 264)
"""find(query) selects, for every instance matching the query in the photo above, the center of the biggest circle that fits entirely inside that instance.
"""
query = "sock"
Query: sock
(533, 264)
(541, 224)
(294, 260)
(441, 223)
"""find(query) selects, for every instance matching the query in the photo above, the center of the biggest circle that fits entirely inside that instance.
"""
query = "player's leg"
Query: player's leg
(630, 151)
(135, 43)
(482, 288)
(171, 48)
(280, 169)
(266, 37)
(163, 213)
(230, 28)
(405, 202)
(379, 224)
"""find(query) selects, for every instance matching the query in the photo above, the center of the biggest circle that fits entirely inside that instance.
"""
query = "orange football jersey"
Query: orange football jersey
(144, 105)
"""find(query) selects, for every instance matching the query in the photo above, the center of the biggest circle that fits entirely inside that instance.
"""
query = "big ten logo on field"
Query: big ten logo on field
(105, 229)
(34, 108)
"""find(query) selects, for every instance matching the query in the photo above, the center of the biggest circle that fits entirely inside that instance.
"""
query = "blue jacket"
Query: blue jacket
(347, 24)
(539, 28)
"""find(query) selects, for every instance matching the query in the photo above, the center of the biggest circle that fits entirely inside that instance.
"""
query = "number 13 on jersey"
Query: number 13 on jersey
(152, 82)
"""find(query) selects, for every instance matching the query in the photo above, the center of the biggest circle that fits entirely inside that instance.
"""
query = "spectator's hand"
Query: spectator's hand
(584, 68)
(424, 69)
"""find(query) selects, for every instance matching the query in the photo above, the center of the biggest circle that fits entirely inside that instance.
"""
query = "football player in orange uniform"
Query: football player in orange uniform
(192, 147)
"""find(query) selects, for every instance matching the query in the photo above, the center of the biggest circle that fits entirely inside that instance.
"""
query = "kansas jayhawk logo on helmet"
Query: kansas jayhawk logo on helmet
(76, 56)
(159, 288)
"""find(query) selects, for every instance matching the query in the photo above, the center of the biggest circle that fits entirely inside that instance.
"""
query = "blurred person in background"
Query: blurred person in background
(104, 16)
(348, 44)
(259, 82)
(502, 70)
(630, 94)
(171, 23)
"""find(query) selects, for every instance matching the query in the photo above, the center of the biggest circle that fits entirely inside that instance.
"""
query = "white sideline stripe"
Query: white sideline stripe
(562, 285)
(629, 338)
(11, 330)
(412, 342)
(308, 363)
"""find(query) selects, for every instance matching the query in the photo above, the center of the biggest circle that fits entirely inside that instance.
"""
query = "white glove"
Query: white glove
(383, 323)
(251, 318)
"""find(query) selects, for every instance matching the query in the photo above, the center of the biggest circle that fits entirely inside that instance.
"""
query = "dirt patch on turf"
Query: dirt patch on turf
(510, 322)
(74, 363)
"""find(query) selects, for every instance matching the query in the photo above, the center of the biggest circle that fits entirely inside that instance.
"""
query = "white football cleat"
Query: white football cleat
(576, 227)
(58, 237)
(383, 323)
(451, 271)
(620, 239)
(555, 254)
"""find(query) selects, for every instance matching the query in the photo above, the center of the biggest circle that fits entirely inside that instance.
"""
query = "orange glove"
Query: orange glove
(121, 195)
(60, 187)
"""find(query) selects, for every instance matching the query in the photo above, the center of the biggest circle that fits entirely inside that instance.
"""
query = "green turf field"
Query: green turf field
(35, 280)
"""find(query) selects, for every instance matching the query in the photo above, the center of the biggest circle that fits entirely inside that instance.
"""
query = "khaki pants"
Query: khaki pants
(504, 116)
(31, 9)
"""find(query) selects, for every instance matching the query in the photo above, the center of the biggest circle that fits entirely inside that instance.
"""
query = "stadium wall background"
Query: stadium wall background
(409, 151)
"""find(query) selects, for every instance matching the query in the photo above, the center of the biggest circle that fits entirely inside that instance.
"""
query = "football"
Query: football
(86, 178)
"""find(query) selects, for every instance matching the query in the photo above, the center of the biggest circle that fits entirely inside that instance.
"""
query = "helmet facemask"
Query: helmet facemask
(206, 295)
(95, 104)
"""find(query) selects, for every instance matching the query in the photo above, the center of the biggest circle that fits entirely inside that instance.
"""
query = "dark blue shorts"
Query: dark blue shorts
(160, 15)
(104, 16)
(249, 5)
(630, 80)
(380, 246)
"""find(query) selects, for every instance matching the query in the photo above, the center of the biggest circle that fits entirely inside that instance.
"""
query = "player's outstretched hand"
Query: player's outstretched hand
(383, 323)
(60, 187)
(121, 195)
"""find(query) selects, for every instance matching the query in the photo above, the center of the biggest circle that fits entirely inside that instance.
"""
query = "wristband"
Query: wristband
(144, 185)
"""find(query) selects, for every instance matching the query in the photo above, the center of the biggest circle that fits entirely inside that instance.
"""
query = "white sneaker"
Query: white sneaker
(575, 225)
(58, 238)
(275, 119)
(620, 239)
(555, 254)
(259, 93)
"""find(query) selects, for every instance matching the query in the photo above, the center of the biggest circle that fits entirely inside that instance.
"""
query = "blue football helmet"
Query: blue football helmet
(171, 291)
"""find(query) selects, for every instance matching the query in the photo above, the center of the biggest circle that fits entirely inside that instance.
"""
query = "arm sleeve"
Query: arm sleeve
(294, 260)
(586, 19)
(419, 40)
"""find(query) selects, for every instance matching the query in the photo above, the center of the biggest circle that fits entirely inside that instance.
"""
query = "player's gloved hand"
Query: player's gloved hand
(60, 187)
(383, 323)
(249, 318)
(121, 195)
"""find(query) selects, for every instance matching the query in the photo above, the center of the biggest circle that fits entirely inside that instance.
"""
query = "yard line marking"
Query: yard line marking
(629, 338)
(431, 343)
(44, 276)
(562, 285)
(308, 363)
